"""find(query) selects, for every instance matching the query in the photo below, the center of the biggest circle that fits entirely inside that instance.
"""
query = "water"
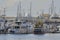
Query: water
(29, 37)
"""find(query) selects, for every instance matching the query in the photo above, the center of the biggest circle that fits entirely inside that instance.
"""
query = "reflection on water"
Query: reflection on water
(29, 37)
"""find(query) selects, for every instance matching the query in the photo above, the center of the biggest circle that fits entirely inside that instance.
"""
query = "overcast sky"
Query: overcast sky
(37, 6)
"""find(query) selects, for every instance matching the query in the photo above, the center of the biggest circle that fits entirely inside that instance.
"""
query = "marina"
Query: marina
(29, 20)
(28, 24)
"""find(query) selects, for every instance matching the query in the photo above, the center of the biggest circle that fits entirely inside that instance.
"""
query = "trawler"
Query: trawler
(21, 27)
(38, 29)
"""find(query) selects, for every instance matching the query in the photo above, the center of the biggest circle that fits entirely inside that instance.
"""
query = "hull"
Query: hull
(38, 31)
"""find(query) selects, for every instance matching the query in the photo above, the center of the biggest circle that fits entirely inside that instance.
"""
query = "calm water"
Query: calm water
(29, 37)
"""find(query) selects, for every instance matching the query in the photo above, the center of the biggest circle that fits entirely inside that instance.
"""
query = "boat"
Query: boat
(38, 29)
(21, 27)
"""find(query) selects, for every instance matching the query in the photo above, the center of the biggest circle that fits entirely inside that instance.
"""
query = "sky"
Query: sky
(37, 6)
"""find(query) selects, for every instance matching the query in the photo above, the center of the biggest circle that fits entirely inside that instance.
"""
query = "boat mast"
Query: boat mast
(17, 18)
(49, 10)
(0, 12)
(19, 11)
(52, 7)
(4, 13)
(29, 15)
(24, 12)
(30, 8)
(42, 12)
(4, 20)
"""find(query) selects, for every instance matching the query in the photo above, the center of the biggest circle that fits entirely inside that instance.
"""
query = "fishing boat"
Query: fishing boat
(38, 29)
(21, 27)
